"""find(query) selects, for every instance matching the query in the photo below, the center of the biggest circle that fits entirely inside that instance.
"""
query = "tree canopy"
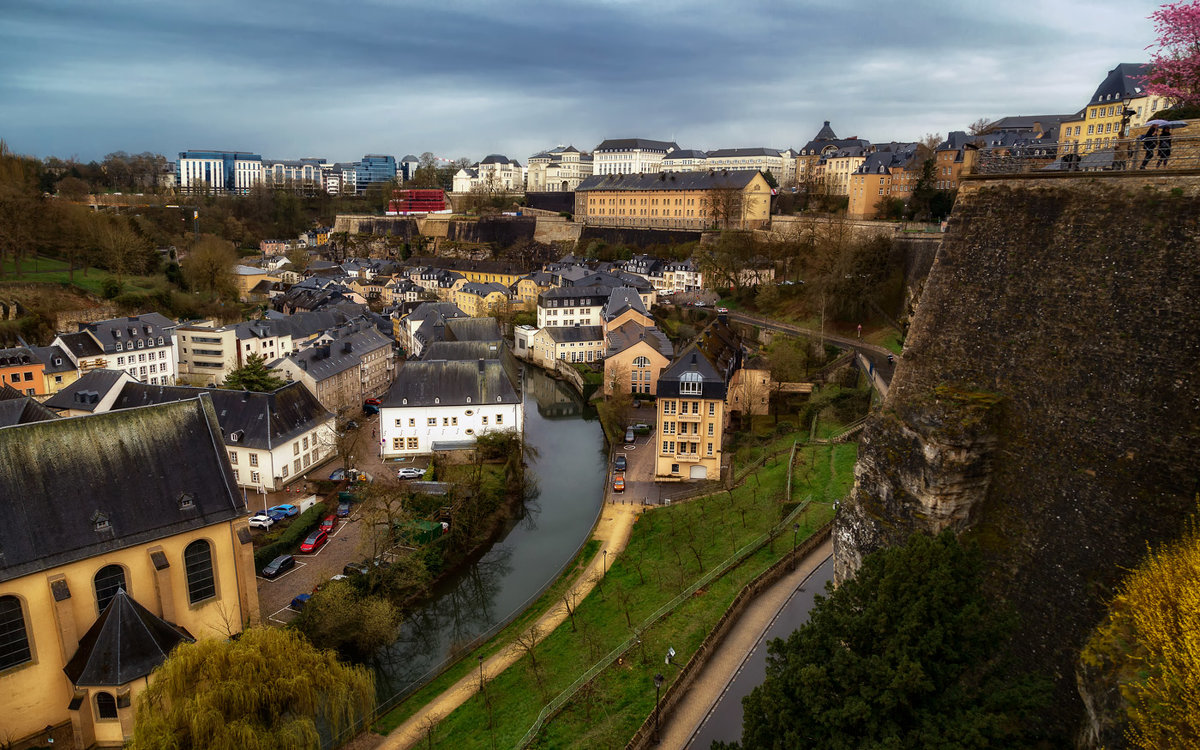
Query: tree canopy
(1175, 65)
(254, 376)
(263, 691)
(904, 655)
(1151, 639)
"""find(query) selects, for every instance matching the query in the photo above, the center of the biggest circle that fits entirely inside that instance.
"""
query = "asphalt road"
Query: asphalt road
(724, 720)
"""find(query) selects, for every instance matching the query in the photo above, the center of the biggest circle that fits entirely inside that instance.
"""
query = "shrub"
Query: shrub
(299, 528)
(110, 288)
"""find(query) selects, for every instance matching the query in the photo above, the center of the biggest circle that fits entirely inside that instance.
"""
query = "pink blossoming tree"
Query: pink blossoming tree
(1175, 64)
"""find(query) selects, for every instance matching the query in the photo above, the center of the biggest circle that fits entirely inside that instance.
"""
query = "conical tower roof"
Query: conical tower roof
(127, 642)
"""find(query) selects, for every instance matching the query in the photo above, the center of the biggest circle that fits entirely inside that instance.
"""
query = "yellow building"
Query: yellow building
(1099, 125)
(691, 420)
(637, 355)
(140, 501)
(676, 200)
(890, 172)
(479, 300)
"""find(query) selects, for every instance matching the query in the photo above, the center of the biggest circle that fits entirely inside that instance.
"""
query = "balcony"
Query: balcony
(690, 417)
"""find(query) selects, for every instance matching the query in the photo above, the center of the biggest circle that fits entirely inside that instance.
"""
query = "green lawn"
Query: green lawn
(671, 548)
(53, 271)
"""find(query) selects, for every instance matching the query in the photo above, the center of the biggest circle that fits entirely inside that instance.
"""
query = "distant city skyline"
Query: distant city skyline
(466, 79)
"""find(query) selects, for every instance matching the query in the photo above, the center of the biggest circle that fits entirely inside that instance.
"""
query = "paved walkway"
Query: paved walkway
(613, 532)
(680, 726)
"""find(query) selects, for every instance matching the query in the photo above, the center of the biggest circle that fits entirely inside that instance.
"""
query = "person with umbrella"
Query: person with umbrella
(1149, 141)
(1164, 146)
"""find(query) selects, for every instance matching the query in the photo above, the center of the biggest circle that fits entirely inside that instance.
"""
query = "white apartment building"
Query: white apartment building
(781, 164)
(446, 405)
(141, 345)
(630, 156)
(218, 171)
(566, 306)
(557, 170)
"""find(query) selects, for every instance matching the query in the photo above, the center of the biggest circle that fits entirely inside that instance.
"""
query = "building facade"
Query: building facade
(670, 200)
(174, 541)
(630, 156)
(218, 171)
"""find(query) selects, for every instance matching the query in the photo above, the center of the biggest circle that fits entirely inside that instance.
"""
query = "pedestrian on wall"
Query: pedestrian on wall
(1164, 146)
(1149, 141)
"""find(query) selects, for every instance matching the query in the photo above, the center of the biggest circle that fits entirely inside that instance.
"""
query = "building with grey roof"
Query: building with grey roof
(100, 512)
(473, 329)
(95, 391)
(343, 366)
(272, 438)
(630, 155)
(446, 404)
(17, 408)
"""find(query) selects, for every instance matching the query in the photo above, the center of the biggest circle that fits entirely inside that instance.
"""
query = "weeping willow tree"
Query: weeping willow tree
(264, 691)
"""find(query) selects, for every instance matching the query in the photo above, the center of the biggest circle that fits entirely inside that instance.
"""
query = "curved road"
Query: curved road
(712, 707)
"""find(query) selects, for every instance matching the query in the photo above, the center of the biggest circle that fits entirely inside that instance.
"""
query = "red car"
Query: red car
(372, 402)
(328, 524)
(314, 541)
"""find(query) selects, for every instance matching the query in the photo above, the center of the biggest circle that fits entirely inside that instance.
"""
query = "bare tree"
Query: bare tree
(526, 642)
(982, 126)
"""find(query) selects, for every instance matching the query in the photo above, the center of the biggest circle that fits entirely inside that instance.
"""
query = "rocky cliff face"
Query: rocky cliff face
(1047, 404)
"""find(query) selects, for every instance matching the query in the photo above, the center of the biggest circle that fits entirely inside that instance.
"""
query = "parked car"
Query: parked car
(619, 464)
(629, 435)
(287, 509)
(368, 409)
(299, 602)
(619, 483)
(352, 425)
(262, 521)
(640, 428)
(279, 565)
(314, 541)
(343, 509)
(699, 303)
(276, 514)
(359, 568)
(722, 309)
(329, 523)
(410, 472)
(372, 402)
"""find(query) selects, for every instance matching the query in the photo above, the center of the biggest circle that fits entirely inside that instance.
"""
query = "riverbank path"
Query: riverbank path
(681, 726)
(613, 532)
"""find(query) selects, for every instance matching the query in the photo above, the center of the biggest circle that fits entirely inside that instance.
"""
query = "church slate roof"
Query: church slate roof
(473, 329)
(126, 643)
(82, 487)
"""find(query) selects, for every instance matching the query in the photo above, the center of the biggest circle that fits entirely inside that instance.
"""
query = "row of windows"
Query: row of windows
(16, 376)
(14, 636)
(686, 449)
(669, 405)
(141, 343)
(669, 428)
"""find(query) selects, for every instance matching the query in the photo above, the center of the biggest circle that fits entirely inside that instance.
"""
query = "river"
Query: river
(570, 474)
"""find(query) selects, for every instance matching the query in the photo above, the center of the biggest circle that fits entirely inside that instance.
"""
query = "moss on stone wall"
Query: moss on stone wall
(1061, 318)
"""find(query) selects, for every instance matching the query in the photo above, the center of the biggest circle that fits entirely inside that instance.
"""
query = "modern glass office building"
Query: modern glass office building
(374, 168)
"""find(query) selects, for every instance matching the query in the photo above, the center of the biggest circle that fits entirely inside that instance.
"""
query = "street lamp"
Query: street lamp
(795, 533)
(604, 569)
(480, 657)
(658, 681)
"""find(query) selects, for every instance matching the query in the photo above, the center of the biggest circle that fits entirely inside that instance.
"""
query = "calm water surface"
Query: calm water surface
(570, 472)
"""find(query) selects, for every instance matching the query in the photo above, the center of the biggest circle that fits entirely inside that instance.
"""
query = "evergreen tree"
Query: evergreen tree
(904, 655)
(254, 376)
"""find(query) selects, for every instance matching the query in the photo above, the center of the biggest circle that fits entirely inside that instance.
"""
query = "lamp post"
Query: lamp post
(604, 568)
(480, 657)
(795, 533)
(658, 681)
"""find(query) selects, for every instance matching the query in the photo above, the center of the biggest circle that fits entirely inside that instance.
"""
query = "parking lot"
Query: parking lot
(639, 455)
(345, 544)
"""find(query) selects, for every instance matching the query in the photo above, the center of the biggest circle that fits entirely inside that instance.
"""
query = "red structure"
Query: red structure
(416, 202)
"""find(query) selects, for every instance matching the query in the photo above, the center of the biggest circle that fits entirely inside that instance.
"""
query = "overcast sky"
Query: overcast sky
(337, 80)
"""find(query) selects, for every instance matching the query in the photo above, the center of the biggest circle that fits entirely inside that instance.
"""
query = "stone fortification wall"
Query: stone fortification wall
(1047, 404)
(403, 226)
(638, 237)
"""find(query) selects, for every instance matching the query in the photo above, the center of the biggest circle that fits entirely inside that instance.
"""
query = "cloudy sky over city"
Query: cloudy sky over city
(338, 80)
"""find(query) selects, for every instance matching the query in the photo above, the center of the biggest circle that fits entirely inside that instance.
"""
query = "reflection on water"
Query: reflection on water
(569, 472)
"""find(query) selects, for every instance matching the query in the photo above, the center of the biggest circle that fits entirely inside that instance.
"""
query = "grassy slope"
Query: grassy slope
(621, 697)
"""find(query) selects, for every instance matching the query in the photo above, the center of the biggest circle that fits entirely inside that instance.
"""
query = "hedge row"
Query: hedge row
(304, 523)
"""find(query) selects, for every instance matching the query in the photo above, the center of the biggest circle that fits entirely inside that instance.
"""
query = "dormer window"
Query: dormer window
(141, 344)
(690, 383)
(119, 347)
(100, 521)
(186, 500)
